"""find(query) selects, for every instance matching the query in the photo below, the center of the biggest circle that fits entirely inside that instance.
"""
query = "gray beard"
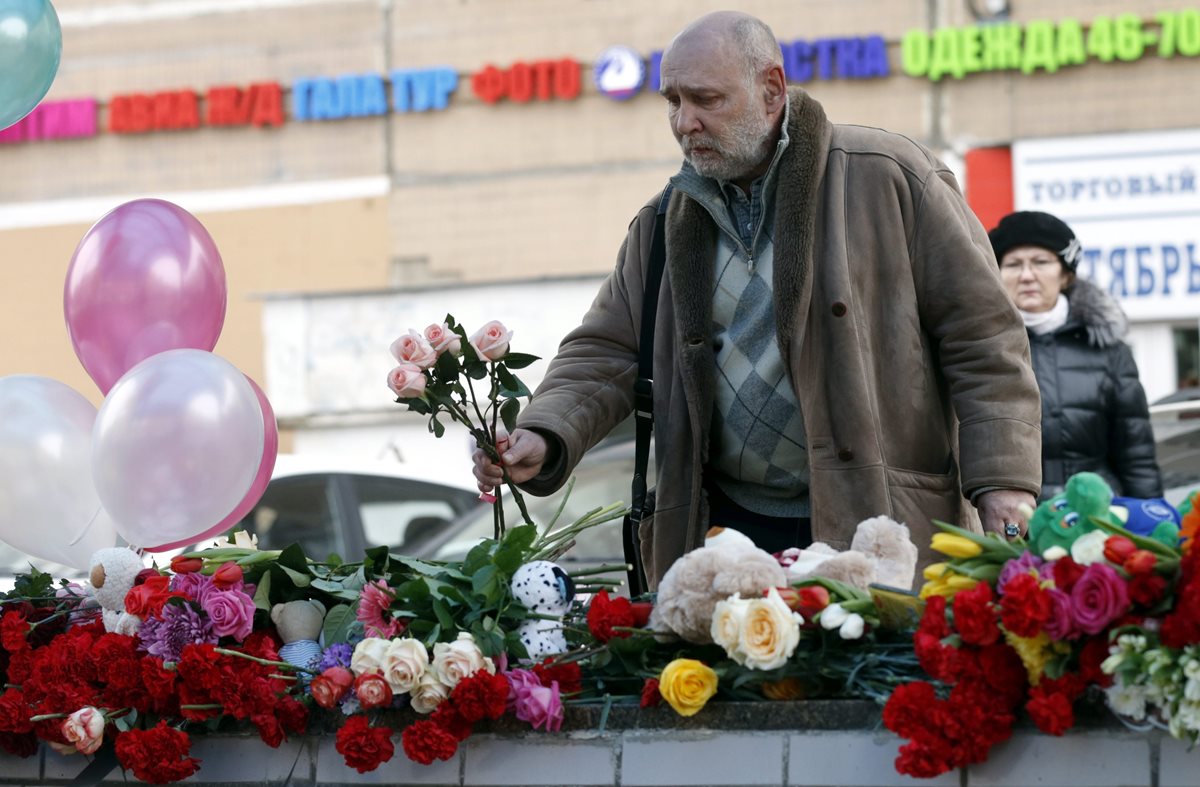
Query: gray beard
(748, 144)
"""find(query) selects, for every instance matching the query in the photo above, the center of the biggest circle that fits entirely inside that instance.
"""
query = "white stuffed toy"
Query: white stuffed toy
(728, 563)
(113, 571)
(881, 553)
(544, 589)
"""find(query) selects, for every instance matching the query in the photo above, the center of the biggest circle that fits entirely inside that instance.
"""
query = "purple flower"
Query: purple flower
(336, 656)
(1026, 563)
(1061, 625)
(520, 680)
(1099, 598)
(180, 625)
(231, 613)
(194, 584)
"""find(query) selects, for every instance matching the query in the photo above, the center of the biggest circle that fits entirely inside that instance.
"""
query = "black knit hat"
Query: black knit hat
(1033, 228)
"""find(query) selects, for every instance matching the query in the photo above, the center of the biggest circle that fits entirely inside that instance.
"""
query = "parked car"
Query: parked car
(1176, 426)
(602, 477)
(346, 506)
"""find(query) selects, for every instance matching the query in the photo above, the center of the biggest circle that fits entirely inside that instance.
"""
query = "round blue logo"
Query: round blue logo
(619, 73)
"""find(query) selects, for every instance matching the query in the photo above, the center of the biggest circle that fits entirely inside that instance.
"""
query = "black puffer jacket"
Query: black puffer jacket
(1094, 412)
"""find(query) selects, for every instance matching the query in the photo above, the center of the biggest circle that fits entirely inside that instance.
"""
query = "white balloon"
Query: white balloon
(48, 502)
(176, 445)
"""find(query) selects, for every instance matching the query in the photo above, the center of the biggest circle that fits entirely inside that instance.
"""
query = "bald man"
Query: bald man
(832, 339)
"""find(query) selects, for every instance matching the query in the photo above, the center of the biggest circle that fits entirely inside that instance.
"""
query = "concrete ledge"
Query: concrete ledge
(814, 743)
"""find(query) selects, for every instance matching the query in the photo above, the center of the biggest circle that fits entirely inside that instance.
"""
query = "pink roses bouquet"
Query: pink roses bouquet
(437, 374)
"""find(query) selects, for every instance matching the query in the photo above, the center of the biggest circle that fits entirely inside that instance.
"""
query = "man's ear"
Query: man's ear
(775, 88)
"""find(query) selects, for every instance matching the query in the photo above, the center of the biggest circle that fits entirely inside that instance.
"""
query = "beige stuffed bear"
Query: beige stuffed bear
(728, 563)
(881, 553)
(299, 625)
(113, 572)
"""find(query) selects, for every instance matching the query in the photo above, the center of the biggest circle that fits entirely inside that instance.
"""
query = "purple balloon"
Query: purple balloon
(146, 278)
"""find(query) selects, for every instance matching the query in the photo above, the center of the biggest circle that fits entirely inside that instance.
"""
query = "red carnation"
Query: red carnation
(1066, 573)
(448, 717)
(1052, 712)
(23, 744)
(158, 755)
(1093, 654)
(907, 712)
(569, 676)
(424, 742)
(1025, 607)
(1146, 590)
(1004, 673)
(651, 698)
(482, 695)
(975, 617)
(14, 628)
(605, 613)
(364, 747)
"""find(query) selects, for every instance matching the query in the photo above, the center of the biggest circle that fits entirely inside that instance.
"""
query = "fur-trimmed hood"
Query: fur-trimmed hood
(1097, 313)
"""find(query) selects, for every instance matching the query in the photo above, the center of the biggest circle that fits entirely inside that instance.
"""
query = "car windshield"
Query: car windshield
(602, 478)
(1177, 447)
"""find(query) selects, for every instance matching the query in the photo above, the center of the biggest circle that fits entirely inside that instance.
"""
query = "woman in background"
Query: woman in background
(1094, 412)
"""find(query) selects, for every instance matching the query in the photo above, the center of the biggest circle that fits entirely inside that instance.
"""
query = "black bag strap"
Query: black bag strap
(643, 397)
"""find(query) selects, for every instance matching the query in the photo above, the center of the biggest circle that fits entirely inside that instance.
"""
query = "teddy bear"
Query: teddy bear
(545, 589)
(881, 553)
(299, 625)
(728, 563)
(113, 571)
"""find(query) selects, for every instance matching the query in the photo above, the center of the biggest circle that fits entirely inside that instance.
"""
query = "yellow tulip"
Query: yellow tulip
(687, 685)
(955, 546)
(934, 571)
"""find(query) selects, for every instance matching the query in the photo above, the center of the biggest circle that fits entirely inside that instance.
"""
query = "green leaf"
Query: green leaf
(262, 593)
(444, 616)
(127, 722)
(430, 569)
(447, 367)
(338, 623)
(413, 590)
(476, 370)
(519, 360)
(511, 386)
(329, 586)
(293, 557)
(479, 556)
(508, 559)
(484, 579)
(299, 579)
(417, 405)
(508, 413)
(436, 427)
(521, 537)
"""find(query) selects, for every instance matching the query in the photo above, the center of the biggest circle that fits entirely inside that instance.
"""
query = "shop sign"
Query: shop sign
(259, 104)
(540, 80)
(54, 120)
(959, 51)
(619, 73)
(1134, 203)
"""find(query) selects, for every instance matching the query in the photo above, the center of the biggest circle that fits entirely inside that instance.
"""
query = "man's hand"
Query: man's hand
(1001, 506)
(522, 452)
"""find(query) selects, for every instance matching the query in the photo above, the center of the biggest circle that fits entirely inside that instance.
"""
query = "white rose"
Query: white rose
(404, 663)
(852, 627)
(770, 632)
(1089, 548)
(832, 617)
(368, 656)
(727, 620)
(429, 694)
(453, 661)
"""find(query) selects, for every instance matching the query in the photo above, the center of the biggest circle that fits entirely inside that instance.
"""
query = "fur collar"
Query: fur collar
(1097, 313)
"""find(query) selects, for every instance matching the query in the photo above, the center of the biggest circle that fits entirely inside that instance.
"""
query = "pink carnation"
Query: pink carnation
(373, 604)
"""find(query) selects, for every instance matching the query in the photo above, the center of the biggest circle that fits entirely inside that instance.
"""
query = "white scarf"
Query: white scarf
(1048, 321)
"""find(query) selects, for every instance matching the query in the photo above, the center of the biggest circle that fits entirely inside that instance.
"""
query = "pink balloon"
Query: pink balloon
(270, 452)
(146, 278)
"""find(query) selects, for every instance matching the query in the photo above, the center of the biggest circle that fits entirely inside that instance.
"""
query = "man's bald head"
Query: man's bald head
(734, 36)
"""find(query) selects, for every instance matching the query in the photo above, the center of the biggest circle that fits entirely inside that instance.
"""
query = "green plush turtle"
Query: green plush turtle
(1057, 522)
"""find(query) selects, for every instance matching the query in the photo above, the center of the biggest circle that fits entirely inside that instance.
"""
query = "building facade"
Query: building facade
(366, 166)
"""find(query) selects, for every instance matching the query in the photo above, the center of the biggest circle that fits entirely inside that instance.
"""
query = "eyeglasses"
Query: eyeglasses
(1040, 265)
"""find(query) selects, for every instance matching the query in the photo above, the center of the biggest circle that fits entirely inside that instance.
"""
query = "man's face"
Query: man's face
(718, 117)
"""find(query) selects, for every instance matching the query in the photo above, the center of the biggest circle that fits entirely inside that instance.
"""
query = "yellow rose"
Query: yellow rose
(686, 685)
(770, 633)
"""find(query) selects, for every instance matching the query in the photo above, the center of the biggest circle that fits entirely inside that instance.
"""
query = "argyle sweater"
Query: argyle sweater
(757, 453)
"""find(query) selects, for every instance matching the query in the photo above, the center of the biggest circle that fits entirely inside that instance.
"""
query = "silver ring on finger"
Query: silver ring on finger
(1012, 529)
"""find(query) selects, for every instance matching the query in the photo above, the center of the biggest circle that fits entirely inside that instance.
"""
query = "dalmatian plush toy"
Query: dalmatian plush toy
(544, 589)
